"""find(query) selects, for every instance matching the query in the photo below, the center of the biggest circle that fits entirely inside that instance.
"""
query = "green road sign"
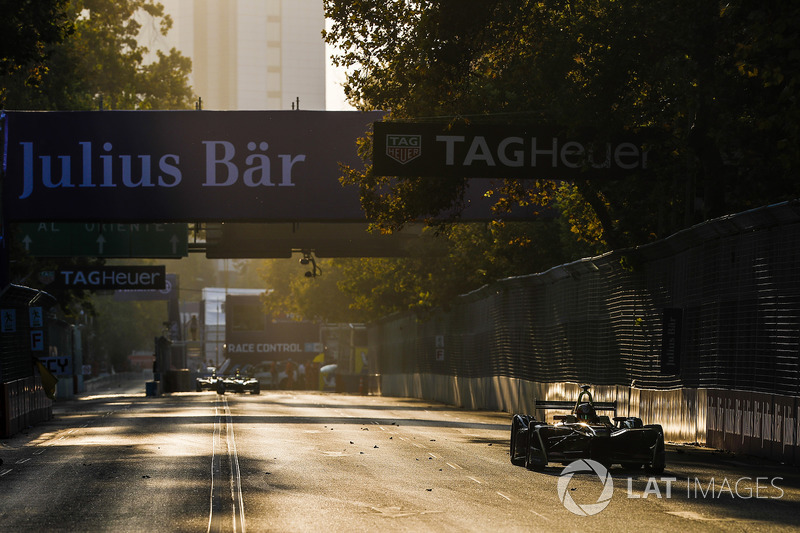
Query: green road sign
(46, 239)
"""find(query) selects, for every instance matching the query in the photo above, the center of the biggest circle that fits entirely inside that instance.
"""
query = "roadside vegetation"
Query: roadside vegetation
(711, 86)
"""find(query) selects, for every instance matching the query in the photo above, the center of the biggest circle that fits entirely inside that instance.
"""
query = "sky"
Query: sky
(334, 94)
(334, 76)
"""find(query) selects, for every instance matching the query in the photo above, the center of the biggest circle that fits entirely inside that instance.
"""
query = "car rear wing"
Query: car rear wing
(598, 406)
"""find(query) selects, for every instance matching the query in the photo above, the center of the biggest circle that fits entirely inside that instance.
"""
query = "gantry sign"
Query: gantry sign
(180, 166)
(245, 169)
(500, 151)
(257, 166)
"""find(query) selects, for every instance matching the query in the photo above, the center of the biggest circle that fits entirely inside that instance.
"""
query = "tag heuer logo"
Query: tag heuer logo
(403, 148)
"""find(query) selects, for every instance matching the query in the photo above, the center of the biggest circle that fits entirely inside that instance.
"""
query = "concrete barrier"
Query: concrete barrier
(681, 412)
(23, 403)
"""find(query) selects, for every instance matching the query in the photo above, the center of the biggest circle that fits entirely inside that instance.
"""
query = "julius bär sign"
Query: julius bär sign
(178, 166)
(492, 151)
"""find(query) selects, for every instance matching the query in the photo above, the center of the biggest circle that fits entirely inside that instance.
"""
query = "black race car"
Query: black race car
(583, 434)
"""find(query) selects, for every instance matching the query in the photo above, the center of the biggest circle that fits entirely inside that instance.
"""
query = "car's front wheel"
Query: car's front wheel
(515, 429)
(535, 458)
(659, 461)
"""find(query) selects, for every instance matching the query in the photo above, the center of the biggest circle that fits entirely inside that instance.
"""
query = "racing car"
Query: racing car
(239, 383)
(235, 383)
(583, 434)
(207, 382)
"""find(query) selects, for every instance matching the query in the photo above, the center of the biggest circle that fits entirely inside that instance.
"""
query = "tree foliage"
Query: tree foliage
(711, 86)
(439, 269)
(28, 28)
(77, 55)
(123, 327)
(101, 64)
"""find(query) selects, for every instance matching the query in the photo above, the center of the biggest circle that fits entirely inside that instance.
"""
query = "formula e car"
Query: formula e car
(239, 383)
(207, 382)
(583, 434)
(235, 383)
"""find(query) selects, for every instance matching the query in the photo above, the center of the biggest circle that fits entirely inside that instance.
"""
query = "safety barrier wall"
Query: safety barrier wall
(681, 412)
(713, 308)
(766, 425)
(24, 403)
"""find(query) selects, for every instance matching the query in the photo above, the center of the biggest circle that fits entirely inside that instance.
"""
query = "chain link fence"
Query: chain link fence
(716, 306)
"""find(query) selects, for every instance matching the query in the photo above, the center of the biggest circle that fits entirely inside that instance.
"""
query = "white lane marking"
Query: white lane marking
(691, 515)
(432, 455)
(21, 461)
(411, 443)
(454, 466)
(478, 481)
(4, 472)
(543, 517)
(39, 452)
(236, 475)
(218, 502)
(503, 495)
(214, 468)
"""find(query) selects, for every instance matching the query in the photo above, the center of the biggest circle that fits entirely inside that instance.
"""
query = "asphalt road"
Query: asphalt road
(298, 461)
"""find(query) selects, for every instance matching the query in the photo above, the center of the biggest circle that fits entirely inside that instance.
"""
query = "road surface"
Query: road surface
(305, 461)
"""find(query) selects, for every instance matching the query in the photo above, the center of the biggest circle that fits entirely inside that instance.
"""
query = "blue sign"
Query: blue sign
(178, 166)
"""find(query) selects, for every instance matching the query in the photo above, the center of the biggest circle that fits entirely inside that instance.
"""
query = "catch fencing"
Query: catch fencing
(24, 325)
(713, 308)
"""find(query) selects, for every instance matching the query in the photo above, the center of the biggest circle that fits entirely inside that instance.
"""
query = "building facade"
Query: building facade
(249, 54)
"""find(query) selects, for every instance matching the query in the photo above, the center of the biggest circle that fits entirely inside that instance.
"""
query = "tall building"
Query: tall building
(249, 54)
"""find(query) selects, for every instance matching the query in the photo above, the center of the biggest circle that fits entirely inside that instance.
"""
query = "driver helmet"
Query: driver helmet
(585, 413)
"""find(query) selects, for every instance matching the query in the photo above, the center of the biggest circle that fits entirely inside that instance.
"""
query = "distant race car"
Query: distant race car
(206, 382)
(235, 383)
(239, 383)
(583, 434)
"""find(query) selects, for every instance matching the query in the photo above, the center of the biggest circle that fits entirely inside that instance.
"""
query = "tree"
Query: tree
(28, 28)
(292, 294)
(711, 87)
(467, 257)
(59, 55)
(101, 64)
(122, 327)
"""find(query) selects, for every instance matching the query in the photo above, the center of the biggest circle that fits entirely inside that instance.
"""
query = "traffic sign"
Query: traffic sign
(46, 239)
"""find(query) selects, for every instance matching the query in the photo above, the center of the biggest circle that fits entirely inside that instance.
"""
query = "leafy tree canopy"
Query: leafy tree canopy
(77, 55)
(28, 28)
(467, 257)
(712, 86)
(101, 64)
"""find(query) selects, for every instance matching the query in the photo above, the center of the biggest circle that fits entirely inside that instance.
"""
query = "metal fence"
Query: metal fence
(16, 354)
(715, 306)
